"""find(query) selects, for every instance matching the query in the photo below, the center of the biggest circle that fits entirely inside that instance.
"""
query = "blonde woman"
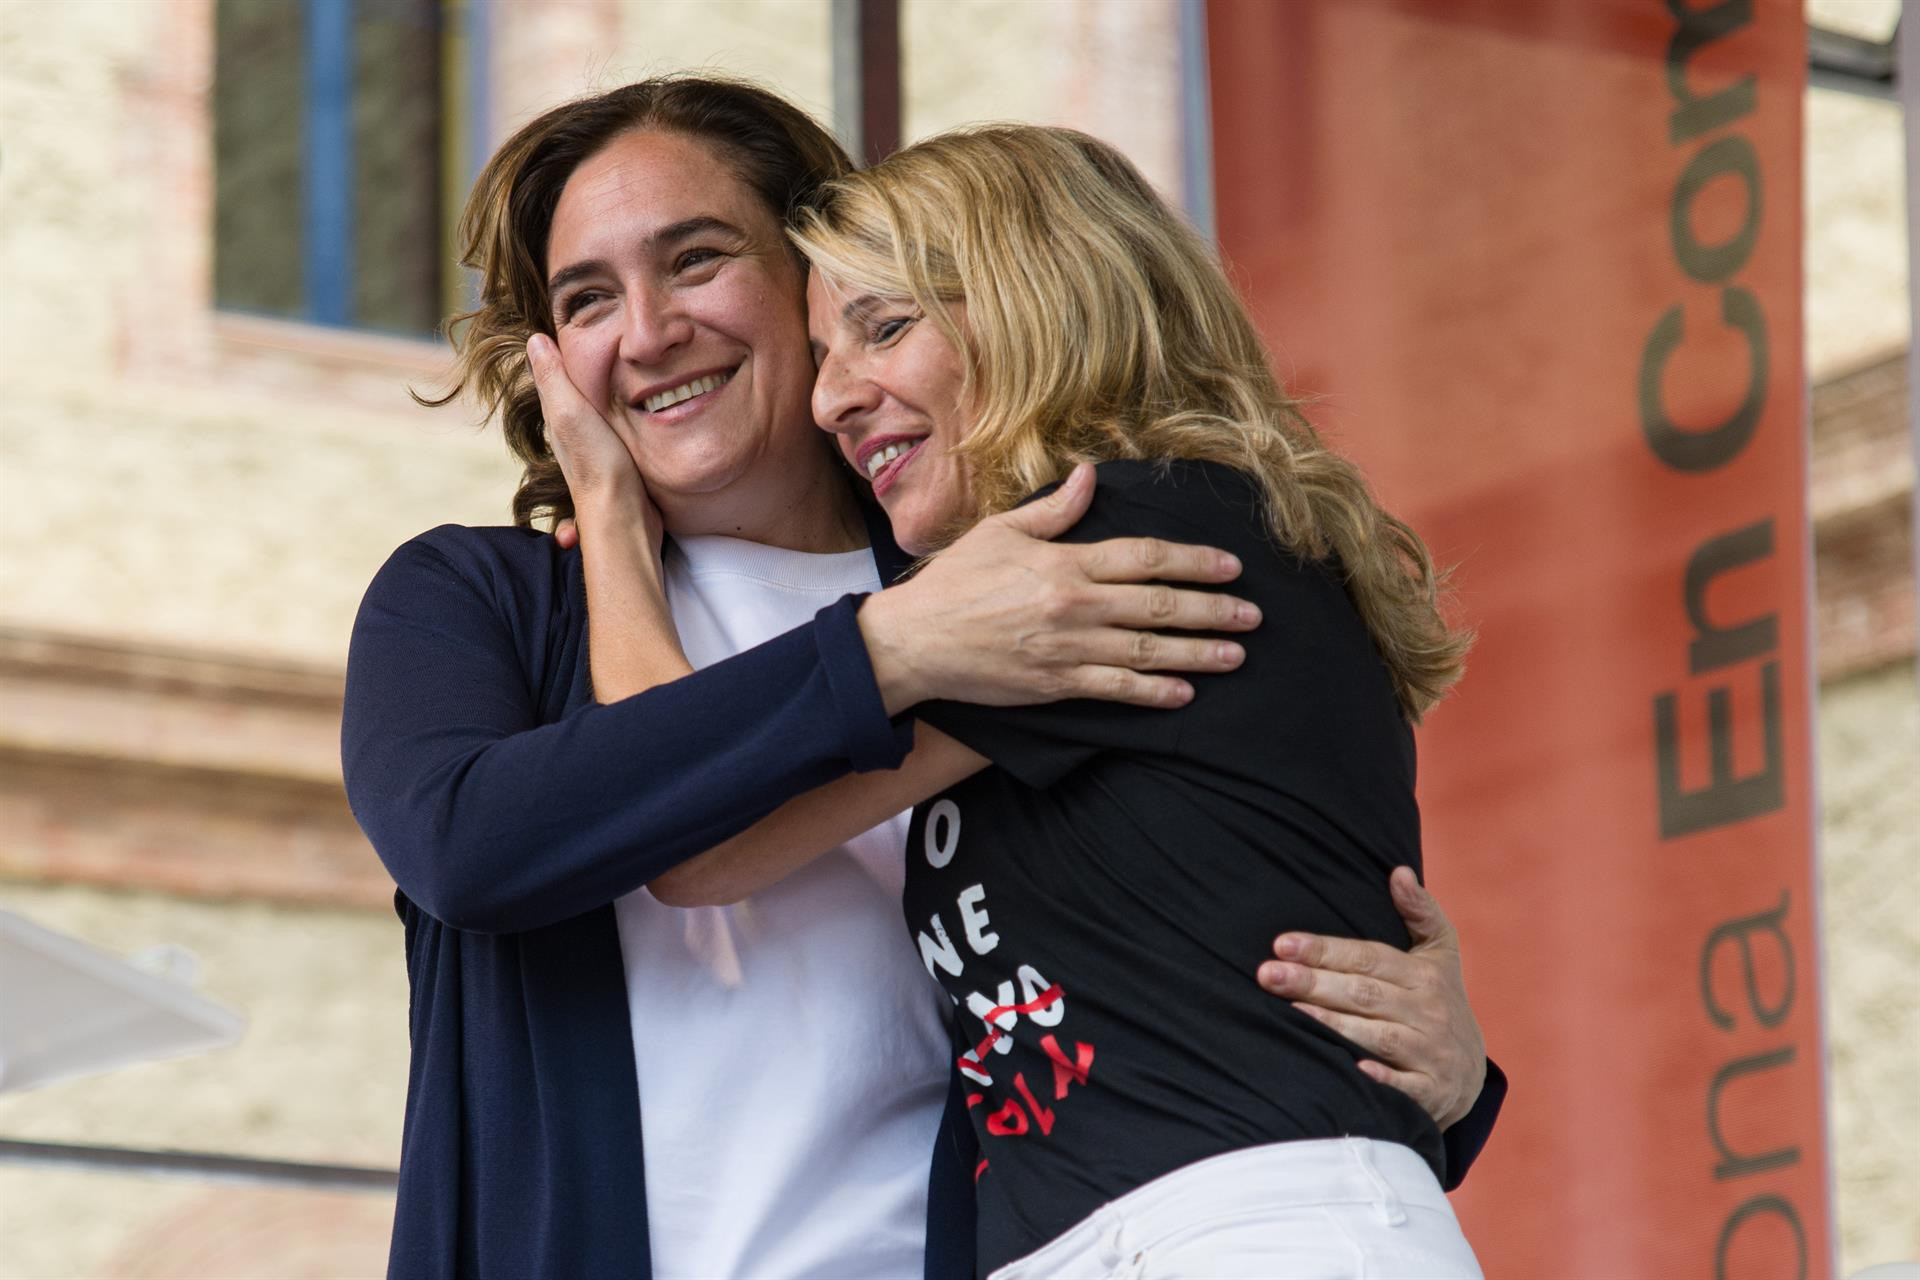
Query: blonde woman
(988, 310)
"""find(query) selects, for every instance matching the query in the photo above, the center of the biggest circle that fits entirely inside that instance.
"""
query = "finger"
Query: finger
(1357, 957)
(1426, 922)
(1156, 559)
(1147, 651)
(1160, 606)
(561, 403)
(1391, 1042)
(1059, 511)
(543, 360)
(1420, 1088)
(1345, 992)
(1118, 684)
(567, 534)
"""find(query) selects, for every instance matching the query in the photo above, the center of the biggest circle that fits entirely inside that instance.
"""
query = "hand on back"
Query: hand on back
(1407, 1008)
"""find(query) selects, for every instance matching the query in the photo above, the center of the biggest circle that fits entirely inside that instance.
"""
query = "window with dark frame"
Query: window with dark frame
(337, 168)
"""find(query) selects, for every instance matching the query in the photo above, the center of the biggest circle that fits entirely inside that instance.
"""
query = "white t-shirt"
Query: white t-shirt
(791, 1049)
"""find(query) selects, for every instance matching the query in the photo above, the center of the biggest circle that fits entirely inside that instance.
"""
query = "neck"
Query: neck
(810, 507)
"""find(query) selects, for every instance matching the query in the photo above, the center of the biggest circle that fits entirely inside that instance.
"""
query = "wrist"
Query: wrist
(1476, 1084)
(611, 514)
(617, 538)
(880, 627)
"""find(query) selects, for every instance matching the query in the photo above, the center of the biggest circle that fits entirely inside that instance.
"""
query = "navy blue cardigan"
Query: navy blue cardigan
(511, 811)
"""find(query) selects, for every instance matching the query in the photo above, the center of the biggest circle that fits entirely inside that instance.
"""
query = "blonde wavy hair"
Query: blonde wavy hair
(1099, 326)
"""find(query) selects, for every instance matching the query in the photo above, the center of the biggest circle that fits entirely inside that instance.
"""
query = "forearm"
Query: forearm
(888, 635)
(499, 834)
(632, 644)
(495, 810)
(809, 825)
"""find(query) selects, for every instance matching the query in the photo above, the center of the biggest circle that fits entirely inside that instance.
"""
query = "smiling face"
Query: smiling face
(679, 314)
(890, 388)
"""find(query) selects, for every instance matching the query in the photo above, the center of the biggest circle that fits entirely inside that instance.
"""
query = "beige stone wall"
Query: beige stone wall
(559, 49)
(1110, 69)
(784, 44)
(172, 475)
(320, 1075)
(1869, 748)
(1856, 264)
(1855, 204)
(199, 482)
(1870, 924)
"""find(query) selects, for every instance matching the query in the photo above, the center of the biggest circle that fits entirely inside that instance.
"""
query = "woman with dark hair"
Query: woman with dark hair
(786, 1052)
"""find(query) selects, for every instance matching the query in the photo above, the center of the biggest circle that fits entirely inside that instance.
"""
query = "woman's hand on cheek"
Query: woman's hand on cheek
(631, 638)
(1004, 617)
(601, 476)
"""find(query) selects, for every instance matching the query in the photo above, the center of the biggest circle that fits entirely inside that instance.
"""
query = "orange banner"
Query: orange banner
(1538, 262)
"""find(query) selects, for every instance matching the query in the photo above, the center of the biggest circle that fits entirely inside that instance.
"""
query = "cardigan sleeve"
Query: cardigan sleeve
(494, 816)
(1464, 1138)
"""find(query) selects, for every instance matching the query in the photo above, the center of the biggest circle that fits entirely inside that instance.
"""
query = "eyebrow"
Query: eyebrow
(850, 314)
(862, 306)
(699, 224)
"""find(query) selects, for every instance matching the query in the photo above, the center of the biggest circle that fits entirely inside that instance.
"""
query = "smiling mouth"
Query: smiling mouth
(687, 391)
(883, 465)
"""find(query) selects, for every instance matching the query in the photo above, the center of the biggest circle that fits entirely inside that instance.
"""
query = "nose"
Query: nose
(842, 399)
(652, 325)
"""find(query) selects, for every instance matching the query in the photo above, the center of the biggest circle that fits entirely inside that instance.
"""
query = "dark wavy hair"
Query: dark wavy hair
(774, 147)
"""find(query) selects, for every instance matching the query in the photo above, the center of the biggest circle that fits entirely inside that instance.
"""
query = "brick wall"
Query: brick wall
(1862, 503)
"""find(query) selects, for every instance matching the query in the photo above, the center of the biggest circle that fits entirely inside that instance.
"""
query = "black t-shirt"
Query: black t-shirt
(1097, 903)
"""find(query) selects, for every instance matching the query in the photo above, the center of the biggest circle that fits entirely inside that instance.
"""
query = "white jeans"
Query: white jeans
(1334, 1209)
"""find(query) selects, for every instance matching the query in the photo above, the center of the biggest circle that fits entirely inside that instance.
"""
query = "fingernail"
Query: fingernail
(537, 349)
(1229, 563)
(1229, 652)
(1182, 693)
(1287, 947)
(1247, 613)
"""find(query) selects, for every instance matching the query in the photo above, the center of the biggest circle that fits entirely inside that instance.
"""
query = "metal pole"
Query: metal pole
(866, 77)
(203, 1165)
(1906, 84)
(1196, 117)
(328, 212)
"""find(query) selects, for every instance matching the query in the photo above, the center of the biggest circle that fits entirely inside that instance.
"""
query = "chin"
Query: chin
(688, 472)
(921, 527)
(914, 538)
